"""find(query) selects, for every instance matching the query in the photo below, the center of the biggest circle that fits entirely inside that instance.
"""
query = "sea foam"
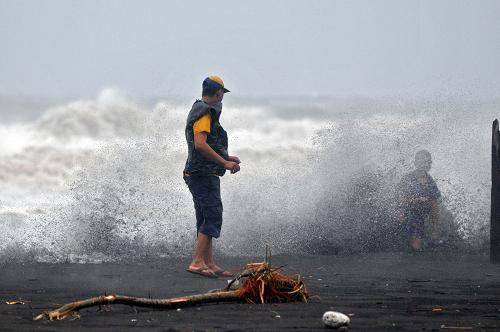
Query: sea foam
(101, 180)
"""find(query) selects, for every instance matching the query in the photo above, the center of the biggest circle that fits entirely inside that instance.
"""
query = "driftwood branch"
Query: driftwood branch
(68, 310)
(257, 283)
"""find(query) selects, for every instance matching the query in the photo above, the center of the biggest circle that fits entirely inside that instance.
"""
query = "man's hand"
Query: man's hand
(200, 144)
(401, 217)
(235, 159)
(232, 166)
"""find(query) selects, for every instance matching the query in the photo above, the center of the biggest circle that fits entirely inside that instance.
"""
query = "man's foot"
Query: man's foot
(222, 273)
(202, 272)
(219, 271)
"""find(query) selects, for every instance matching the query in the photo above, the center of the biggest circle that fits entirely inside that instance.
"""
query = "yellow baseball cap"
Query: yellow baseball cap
(214, 82)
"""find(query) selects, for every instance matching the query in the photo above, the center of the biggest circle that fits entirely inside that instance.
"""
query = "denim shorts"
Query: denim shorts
(416, 225)
(207, 203)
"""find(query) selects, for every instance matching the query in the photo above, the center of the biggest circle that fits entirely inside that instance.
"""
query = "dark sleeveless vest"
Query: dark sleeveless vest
(196, 164)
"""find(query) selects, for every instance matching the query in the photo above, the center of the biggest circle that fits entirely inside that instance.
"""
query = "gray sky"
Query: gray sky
(339, 48)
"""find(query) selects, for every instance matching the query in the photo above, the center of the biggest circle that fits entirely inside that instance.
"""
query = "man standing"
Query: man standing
(207, 160)
(419, 196)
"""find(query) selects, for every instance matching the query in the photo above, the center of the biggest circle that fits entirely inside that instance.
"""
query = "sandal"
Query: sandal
(222, 273)
(203, 272)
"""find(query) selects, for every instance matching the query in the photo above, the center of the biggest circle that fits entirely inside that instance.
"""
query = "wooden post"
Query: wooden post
(495, 196)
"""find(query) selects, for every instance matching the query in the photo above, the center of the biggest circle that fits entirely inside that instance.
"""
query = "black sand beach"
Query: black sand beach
(381, 292)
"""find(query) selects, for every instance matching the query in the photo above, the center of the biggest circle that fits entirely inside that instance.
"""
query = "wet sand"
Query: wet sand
(381, 292)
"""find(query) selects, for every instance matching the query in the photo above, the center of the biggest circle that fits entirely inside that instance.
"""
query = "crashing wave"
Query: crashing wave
(112, 171)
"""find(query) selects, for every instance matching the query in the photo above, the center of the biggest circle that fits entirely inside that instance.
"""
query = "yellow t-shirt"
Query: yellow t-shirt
(202, 124)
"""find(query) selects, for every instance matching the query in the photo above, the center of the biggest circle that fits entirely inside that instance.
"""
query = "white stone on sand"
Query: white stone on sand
(335, 320)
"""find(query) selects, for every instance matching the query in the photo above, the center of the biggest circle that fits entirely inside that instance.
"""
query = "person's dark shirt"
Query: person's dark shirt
(416, 194)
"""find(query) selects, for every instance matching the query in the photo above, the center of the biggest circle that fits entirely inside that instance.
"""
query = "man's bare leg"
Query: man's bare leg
(209, 257)
(203, 243)
(416, 243)
(209, 260)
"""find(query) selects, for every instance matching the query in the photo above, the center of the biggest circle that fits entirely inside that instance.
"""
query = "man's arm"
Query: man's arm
(401, 201)
(435, 219)
(200, 144)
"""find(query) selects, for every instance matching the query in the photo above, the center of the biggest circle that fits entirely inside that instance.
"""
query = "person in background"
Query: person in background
(207, 161)
(419, 197)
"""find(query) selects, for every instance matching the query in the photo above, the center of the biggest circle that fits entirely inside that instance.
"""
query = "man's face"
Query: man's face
(423, 164)
(220, 95)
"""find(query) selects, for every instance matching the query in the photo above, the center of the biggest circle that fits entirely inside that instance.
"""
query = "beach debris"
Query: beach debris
(275, 314)
(420, 280)
(458, 328)
(257, 283)
(75, 316)
(15, 302)
(335, 320)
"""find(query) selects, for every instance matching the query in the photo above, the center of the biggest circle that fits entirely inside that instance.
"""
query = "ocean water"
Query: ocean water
(101, 179)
